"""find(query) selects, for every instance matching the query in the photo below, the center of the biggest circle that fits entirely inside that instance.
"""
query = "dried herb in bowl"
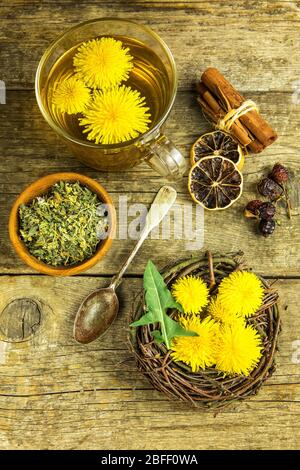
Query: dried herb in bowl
(64, 226)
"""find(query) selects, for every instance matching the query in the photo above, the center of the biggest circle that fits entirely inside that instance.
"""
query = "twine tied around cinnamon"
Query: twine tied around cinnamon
(225, 123)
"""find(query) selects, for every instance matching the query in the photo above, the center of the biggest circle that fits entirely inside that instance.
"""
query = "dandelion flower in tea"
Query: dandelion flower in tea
(116, 115)
(63, 227)
(196, 351)
(71, 95)
(103, 63)
(108, 111)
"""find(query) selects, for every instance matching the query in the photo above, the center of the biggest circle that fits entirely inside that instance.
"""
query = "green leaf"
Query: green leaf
(144, 320)
(157, 336)
(175, 329)
(158, 300)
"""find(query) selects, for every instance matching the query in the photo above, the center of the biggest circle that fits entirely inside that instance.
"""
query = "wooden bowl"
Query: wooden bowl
(42, 186)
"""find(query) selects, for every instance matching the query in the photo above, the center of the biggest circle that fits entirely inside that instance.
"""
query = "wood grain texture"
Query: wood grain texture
(55, 393)
(30, 150)
(234, 36)
(20, 319)
(52, 387)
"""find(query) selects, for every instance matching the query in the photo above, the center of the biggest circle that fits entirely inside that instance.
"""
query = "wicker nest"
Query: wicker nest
(208, 388)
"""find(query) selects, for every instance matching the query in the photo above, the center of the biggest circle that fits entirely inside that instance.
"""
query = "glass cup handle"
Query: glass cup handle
(163, 157)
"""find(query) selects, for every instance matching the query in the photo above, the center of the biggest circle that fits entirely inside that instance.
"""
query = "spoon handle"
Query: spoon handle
(162, 203)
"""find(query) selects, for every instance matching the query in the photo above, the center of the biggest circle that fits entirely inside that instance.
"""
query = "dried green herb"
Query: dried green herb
(64, 226)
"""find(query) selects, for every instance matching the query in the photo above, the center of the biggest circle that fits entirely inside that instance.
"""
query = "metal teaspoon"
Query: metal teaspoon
(99, 309)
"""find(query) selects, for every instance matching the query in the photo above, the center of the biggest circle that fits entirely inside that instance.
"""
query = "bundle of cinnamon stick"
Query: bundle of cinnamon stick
(217, 97)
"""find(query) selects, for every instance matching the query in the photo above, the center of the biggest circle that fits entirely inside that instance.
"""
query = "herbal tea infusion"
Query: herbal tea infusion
(106, 87)
(107, 90)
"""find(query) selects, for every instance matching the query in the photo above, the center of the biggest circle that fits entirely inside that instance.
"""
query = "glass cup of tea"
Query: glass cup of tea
(153, 75)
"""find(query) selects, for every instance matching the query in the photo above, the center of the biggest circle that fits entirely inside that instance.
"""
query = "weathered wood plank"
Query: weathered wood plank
(229, 35)
(51, 351)
(154, 3)
(91, 421)
(276, 256)
(30, 150)
(49, 378)
(55, 393)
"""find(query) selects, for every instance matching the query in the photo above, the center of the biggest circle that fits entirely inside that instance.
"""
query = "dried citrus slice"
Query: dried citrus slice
(218, 143)
(215, 182)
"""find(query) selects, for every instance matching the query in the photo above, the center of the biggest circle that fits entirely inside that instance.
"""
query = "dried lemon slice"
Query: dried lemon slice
(215, 183)
(218, 143)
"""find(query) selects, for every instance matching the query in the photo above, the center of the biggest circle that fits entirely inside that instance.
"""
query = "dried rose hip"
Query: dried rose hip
(279, 174)
(269, 188)
(252, 208)
(266, 210)
(267, 227)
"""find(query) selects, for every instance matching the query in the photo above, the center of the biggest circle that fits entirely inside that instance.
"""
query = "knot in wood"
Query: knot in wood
(20, 320)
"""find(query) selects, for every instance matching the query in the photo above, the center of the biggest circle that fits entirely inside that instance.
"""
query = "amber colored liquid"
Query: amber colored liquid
(149, 76)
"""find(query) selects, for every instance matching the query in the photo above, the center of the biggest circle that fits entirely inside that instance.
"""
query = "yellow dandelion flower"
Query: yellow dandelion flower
(116, 115)
(239, 349)
(198, 352)
(241, 292)
(219, 312)
(191, 292)
(103, 63)
(71, 95)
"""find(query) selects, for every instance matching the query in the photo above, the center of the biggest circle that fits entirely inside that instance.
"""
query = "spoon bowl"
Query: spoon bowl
(95, 315)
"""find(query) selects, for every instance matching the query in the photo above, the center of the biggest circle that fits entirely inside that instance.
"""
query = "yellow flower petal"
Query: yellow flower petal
(71, 95)
(241, 292)
(198, 352)
(191, 292)
(116, 115)
(103, 63)
(239, 349)
(217, 310)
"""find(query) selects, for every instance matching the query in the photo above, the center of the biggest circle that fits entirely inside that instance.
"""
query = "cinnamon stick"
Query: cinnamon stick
(251, 130)
(214, 112)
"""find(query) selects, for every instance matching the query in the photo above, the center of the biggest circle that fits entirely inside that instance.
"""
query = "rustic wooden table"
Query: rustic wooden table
(55, 393)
